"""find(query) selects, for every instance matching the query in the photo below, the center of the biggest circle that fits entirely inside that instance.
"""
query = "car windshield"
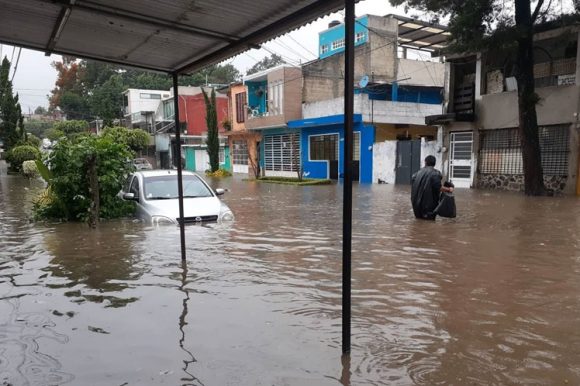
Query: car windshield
(165, 187)
(140, 161)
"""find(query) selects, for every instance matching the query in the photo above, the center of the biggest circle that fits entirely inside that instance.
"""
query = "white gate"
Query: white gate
(461, 159)
(201, 160)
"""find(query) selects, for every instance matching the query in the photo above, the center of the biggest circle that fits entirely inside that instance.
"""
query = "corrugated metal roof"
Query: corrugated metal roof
(165, 35)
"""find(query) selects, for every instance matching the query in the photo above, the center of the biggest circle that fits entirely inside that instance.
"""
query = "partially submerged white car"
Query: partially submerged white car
(156, 195)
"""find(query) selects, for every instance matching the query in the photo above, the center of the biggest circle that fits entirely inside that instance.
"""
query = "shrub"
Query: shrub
(218, 173)
(136, 139)
(54, 134)
(18, 154)
(29, 169)
(31, 140)
(69, 197)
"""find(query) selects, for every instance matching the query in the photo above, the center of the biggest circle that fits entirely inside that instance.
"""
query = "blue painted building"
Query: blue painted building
(322, 145)
(331, 41)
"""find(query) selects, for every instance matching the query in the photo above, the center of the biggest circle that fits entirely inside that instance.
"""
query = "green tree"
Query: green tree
(135, 139)
(72, 128)
(11, 119)
(268, 62)
(40, 110)
(481, 24)
(38, 128)
(107, 100)
(213, 142)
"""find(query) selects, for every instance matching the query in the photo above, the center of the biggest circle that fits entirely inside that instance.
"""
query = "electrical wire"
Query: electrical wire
(16, 65)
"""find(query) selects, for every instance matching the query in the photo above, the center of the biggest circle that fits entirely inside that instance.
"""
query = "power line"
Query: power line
(305, 49)
(16, 65)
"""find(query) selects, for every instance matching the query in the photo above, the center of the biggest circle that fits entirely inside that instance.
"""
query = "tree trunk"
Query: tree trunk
(94, 208)
(527, 100)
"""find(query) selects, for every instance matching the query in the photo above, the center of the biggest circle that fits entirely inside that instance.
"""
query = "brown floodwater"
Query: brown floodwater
(489, 298)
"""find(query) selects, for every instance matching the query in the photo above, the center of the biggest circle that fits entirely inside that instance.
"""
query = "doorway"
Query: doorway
(408, 161)
(460, 159)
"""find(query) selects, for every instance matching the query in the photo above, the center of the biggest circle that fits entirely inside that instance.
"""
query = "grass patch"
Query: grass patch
(292, 181)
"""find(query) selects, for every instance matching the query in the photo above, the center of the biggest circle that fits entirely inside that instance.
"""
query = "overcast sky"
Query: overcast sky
(35, 77)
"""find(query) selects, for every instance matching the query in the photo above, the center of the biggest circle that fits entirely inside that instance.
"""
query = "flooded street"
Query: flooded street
(489, 298)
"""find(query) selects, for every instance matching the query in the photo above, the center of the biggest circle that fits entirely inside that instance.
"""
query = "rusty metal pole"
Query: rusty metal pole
(179, 169)
(347, 196)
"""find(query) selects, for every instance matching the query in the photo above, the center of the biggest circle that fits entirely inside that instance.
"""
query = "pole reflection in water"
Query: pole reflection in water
(489, 298)
(191, 380)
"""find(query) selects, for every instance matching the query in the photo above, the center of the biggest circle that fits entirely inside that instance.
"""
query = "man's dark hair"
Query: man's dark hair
(430, 160)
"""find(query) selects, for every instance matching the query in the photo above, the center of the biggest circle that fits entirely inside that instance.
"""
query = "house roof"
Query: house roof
(177, 36)
(421, 35)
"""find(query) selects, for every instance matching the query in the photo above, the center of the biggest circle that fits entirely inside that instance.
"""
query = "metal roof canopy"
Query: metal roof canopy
(173, 36)
(421, 35)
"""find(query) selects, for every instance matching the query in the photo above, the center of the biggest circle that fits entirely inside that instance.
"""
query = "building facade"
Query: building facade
(481, 140)
(394, 92)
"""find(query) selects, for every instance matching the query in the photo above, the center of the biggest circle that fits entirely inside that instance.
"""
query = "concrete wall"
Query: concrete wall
(558, 105)
(234, 90)
(421, 73)
(378, 57)
(384, 161)
(431, 148)
(376, 111)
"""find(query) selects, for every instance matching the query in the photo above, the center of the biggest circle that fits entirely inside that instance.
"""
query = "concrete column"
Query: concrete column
(478, 76)
(578, 62)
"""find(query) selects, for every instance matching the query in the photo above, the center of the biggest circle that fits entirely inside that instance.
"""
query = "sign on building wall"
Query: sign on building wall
(567, 80)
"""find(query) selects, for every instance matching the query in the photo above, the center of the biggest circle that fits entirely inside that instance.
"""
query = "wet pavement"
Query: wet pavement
(489, 298)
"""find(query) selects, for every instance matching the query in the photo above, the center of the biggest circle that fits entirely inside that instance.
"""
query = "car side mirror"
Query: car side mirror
(219, 192)
(130, 197)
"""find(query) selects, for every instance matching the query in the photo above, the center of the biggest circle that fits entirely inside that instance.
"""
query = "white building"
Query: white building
(140, 106)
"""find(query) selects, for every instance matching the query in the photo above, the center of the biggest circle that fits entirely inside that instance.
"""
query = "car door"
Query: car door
(135, 188)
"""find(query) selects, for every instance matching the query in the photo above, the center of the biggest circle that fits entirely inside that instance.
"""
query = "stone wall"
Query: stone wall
(516, 182)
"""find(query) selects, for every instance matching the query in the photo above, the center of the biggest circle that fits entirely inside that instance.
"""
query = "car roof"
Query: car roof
(163, 172)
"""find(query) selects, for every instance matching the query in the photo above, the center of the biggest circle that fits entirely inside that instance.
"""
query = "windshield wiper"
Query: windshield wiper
(160, 198)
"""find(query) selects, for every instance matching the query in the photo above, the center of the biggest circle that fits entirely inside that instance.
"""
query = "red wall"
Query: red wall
(192, 111)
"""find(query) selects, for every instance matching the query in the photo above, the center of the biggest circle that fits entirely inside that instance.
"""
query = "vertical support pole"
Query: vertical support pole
(347, 196)
(179, 168)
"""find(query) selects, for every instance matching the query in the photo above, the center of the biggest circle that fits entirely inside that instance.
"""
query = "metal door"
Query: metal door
(201, 160)
(408, 161)
(460, 159)
(189, 158)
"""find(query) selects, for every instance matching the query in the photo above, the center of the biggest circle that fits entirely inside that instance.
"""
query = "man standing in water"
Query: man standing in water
(426, 189)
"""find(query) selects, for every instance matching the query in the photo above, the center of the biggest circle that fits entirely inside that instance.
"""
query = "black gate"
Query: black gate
(408, 160)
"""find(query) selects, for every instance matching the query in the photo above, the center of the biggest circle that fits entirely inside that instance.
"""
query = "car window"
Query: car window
(135, 187)
(165, 187)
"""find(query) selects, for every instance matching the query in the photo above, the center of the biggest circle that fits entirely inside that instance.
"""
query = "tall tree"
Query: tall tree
(213, 144)
(107, 100)
(481, 24)
(268, 62)
(11, 120)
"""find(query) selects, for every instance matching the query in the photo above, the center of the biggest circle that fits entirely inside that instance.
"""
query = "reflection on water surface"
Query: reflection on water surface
(492, 297)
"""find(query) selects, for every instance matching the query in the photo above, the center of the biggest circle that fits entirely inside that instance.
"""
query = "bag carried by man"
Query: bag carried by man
(446, 207)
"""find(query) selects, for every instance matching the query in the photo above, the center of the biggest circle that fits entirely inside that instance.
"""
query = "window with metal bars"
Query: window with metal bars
(240, 107)
(356, 146)
(282, 152)
(501, 151)
(240, 153)
(324, 147)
